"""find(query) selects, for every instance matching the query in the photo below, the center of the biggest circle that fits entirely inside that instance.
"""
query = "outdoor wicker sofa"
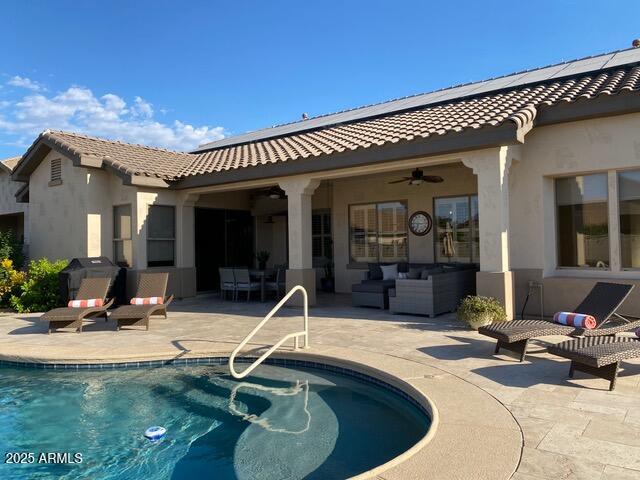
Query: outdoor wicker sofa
(149, 285)
(602, 303)
(598, 356)
(90, 288)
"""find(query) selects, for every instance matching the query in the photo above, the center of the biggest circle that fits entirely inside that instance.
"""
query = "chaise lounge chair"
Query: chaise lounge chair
(149, 285)
(90, 288)
(602, 302)
(598, 356)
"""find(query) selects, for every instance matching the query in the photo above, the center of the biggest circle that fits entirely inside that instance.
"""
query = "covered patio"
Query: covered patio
(310, 222)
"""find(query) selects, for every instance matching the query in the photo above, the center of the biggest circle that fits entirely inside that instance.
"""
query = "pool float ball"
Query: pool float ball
(155, 434)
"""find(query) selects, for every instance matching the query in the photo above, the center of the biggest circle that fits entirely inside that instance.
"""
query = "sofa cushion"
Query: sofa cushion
(375, 272)
(414, 272)
(430, 271)
(389, 272)
(373, 287)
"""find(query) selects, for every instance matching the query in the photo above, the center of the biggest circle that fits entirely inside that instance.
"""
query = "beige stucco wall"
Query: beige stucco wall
(580, 147)
(458, 180)
(57, 220)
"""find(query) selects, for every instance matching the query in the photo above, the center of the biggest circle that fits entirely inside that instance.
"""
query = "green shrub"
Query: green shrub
(477, 311)
(41, 291)
(11, 247)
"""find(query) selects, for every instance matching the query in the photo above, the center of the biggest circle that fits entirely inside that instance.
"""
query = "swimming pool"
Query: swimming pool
(280, 423)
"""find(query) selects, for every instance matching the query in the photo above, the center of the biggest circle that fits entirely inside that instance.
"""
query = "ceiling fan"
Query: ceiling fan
(274, 192)
(418, 177)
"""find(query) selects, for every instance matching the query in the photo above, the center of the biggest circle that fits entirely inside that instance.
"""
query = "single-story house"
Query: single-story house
(541, 183)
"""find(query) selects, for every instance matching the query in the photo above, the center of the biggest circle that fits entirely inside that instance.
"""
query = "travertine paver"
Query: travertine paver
(573, 429)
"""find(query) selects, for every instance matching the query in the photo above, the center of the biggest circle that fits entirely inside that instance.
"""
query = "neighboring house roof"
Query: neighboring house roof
(8, 164)
(480, 115)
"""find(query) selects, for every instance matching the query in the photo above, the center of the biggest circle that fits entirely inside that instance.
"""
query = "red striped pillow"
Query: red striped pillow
(147, 301)
(92, 302)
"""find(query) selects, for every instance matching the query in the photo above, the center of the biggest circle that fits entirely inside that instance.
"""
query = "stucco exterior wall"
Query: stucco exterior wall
(458, 180)
(589, 146)
(58, 220)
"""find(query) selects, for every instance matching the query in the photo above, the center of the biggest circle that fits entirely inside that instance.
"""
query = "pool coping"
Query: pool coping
(403, 374)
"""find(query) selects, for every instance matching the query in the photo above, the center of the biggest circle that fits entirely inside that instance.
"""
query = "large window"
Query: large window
(122, 245)
(378, 232)
(161, 236)
(457, 237)
(321, 235)
(629, 197)
(582, 221)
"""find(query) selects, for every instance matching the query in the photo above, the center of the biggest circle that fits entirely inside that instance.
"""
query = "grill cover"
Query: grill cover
(92, 267)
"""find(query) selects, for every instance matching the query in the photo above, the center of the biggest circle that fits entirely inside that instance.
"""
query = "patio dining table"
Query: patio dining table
(262, 275)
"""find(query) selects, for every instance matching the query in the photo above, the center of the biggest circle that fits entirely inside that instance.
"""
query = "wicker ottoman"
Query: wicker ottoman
(370, 295)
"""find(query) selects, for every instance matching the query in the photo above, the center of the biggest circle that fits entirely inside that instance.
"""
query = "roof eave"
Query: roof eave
(505, 134)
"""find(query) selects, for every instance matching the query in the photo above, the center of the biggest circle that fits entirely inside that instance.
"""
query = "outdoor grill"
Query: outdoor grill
(91, 267)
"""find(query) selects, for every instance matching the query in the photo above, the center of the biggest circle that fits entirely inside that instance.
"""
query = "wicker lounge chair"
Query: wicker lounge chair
(72, 317)
(602, 302)
(149, 285)
(598, 356)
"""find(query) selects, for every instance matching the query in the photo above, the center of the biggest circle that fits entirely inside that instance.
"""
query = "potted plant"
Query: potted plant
(478, 311)
(262, 257)
(327, 283)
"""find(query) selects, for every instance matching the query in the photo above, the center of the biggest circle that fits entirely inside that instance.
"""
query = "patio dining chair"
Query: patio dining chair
(227, 282)
(244, 282)
(279, 284)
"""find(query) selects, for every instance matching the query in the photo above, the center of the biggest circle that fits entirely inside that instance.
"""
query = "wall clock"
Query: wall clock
(420, 223)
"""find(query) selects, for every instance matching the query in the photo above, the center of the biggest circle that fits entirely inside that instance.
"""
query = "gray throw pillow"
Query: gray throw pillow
(375, 273)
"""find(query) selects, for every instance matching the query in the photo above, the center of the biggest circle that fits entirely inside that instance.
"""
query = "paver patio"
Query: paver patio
(572, 429)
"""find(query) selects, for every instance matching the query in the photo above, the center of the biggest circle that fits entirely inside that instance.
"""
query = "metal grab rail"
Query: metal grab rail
(304, 333)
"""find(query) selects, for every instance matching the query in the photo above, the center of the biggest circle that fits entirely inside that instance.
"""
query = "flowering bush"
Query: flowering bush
(41, 291)
(10, 281)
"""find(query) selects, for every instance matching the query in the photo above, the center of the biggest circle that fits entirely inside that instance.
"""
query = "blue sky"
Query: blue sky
(176, 74)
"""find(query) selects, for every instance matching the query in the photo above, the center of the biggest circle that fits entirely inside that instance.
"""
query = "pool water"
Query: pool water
(280, 423)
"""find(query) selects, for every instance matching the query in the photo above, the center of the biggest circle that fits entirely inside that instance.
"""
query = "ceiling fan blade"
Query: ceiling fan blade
(433, 179)
(405, 179)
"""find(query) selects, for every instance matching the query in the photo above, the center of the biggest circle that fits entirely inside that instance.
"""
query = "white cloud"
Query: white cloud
(78, 109)
(24, 82)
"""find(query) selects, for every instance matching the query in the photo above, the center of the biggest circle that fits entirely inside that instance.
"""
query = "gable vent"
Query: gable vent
(56, 170)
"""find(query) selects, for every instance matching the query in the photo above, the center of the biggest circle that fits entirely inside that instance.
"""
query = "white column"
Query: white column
(299, 195)
(491, 167)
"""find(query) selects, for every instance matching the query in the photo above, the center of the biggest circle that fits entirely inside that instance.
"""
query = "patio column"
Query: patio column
(301, 272)
(495, 279)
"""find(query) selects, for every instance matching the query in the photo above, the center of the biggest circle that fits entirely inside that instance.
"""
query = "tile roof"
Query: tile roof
(517, 105)
(131, 159)
(558, 71)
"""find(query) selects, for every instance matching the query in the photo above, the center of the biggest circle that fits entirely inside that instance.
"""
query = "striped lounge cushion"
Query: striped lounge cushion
(575, 320)
(92, 302)
(147, 301)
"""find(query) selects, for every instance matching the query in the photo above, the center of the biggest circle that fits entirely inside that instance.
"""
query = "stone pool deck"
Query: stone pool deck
(497, 418)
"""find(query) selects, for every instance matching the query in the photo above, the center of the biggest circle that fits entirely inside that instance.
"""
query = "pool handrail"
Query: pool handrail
(295, 335)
